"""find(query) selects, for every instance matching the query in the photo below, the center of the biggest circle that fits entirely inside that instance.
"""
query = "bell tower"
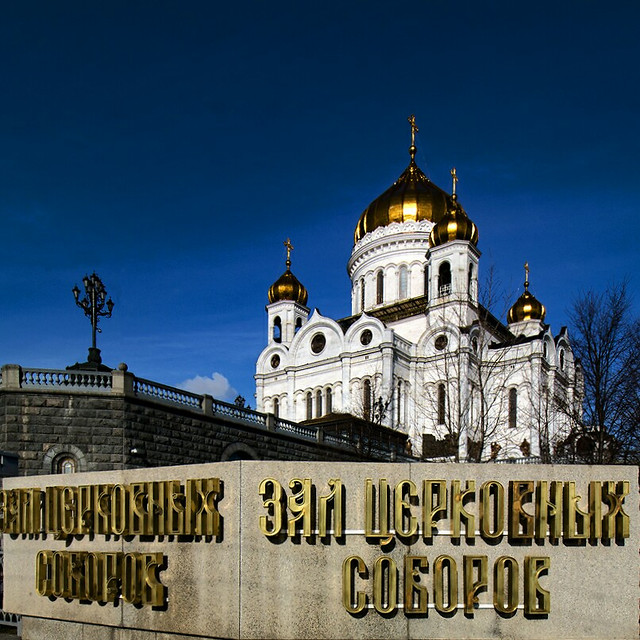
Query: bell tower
(287, 310)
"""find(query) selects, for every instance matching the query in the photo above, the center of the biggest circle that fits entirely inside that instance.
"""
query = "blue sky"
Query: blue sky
(173, 146)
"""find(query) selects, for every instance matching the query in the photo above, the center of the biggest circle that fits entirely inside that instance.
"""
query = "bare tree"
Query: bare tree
(606, 340)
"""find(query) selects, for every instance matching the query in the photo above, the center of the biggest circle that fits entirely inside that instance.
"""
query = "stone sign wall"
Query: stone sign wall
(324, 550)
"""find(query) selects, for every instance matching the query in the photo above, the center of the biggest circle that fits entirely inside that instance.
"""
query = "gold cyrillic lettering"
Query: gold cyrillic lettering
(416, 596)
(548, 510)
(451, 591)
(385, 585)
(575, 521)
(521, 523)
(351, 566)
(271, 490)
(472, 587)
(459, 513)
(537, 601)
(334, 501)
(615, 523)
(405, 494)
(434, 504)
(491, 519)
(300, 505)
(505, 593)
(382, 532)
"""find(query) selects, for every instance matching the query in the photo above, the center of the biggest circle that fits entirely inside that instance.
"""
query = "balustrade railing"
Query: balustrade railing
(142, 387)
(235, 411)
(304, 430)
(40, 378)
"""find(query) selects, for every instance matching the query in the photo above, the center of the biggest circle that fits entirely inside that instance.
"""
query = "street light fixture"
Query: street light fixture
(93, 304)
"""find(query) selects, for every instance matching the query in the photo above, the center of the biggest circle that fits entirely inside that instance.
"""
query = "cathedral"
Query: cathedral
(419, 352)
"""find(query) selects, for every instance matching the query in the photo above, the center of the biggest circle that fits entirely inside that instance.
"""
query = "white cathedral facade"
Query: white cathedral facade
(419, 353)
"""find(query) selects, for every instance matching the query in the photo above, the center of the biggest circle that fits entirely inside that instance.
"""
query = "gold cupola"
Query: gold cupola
(287, 286)
(412, 197)
(455, 224)
(526, 307)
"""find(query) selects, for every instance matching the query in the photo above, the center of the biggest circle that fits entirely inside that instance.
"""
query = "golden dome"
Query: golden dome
(454, 225)
(411, 197)
(287, 286)
(526, 307)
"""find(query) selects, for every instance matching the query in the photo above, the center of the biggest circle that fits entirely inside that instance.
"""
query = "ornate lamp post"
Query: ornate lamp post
(93, 304)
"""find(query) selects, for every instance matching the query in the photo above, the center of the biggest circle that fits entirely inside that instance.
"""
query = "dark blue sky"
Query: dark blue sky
(173, 146)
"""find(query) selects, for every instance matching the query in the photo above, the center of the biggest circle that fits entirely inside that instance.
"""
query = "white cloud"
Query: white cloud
(216, 385)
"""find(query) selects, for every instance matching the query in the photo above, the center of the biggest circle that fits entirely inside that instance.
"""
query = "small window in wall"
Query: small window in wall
(366, 399)
(298, 325)
(561, 359)
(309, 405)
(276, 407)
(328, 401)
(277, 329)
(444, 279)
(318, 403)
(442, 403)
(403, 282)
(470, 281)
(66, 464)
(362, 294)
(513, 408)
(379, 288)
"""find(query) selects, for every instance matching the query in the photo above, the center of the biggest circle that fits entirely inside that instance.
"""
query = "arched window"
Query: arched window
(426, 281)
(66, 464)
(470, 281)
(276, 407)
(318, 403)
(513, 408)
(403, 282)
(366, 400)
(399, 400)
(362, 294)
(379, 288)
(561, 359)
(444, 279)
(309, 405)
(442, 403)
(328, 401)
(298, 325)
(545, 351)
(277, 329)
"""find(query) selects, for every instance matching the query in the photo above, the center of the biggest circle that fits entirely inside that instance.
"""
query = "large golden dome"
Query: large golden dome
(411, 197)
(287, 286)
(454, 225)
(527, 306)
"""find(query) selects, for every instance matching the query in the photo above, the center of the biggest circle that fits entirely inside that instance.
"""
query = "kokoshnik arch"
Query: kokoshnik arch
(420, 353)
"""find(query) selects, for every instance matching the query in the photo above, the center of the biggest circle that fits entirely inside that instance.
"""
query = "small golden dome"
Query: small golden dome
(411, 197)
(287, 286)
(526, 307)
(455, 225)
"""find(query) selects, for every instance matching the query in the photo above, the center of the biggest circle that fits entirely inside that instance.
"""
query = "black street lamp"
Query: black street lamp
(93, 304)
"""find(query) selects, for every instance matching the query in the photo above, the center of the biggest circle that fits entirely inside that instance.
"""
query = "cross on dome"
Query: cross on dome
(289, 246)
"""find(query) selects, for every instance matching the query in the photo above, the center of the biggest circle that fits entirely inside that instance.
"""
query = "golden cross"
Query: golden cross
(287, 243)
(454, 175)
(526, 274)
(414, 129)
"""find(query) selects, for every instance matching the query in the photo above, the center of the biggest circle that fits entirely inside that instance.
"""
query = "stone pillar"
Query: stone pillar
(207, 404)
(11, 374)
(122, 381)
